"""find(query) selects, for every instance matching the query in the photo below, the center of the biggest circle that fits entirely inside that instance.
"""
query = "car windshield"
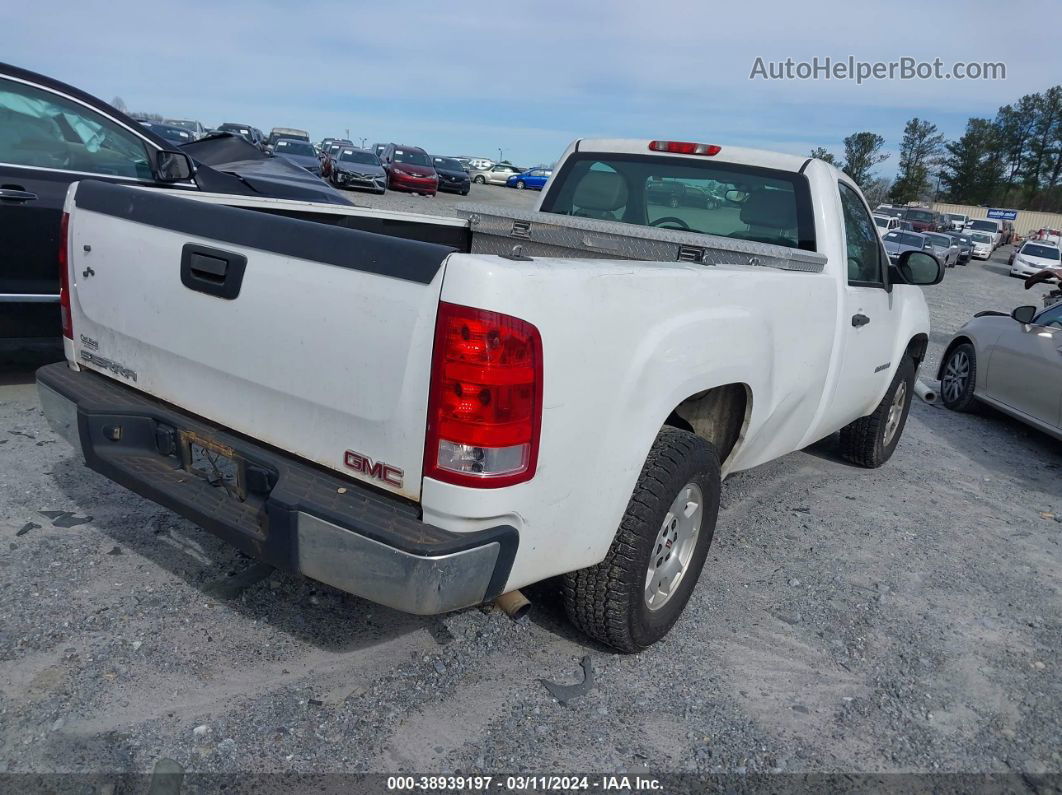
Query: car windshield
(287, 147)
(956, 217)
(1044, 252)
(881, 221)
(980, 237)
(737, 201)
(414, 157)
(359, 156)
(984, 226)
(448, 163)
(187, 125)
(940, 240)
(905, 239)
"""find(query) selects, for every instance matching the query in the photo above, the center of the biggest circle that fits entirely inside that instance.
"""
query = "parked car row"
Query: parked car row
(923, 219)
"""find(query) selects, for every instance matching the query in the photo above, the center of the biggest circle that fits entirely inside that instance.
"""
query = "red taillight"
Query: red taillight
(684, 148)
(485, 401)
(64, 277)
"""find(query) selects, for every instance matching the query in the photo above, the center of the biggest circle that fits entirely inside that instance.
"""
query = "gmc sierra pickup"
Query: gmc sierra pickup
(434, 412)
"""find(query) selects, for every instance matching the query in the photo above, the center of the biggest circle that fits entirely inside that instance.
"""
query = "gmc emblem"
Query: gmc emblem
(377, 470)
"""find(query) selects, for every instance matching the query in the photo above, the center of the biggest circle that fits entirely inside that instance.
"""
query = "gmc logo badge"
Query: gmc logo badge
(377, 470)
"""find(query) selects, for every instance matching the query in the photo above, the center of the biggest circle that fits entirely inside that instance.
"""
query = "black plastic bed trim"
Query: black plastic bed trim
(409, 260)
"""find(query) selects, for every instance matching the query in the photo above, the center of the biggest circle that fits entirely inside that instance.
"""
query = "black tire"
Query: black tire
(521, 185)
(866, 441)
(961, 397)
(608, 601)
(673, 201)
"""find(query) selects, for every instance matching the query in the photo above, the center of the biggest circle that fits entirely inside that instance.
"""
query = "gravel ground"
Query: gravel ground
(902, 619)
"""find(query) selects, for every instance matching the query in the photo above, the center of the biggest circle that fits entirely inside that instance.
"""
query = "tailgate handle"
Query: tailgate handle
(212, 271)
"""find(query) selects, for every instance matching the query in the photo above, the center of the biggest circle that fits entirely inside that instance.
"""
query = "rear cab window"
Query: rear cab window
(710, 197)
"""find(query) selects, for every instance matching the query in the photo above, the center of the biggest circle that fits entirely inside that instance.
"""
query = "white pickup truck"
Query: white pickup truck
(431, 413)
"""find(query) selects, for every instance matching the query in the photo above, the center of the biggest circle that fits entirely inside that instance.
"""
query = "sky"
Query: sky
(478, 76)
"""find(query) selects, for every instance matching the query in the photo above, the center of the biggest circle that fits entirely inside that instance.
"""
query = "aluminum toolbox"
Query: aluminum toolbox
(512, 232)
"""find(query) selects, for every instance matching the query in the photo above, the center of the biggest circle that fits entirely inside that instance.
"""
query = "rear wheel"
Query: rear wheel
(870, 441)
(959, 378)
(479, 180)
(636, 594)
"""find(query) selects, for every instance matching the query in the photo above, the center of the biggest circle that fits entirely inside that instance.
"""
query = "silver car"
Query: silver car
(944, 248)
(1012, 362)
(898, 241)
(495, 175)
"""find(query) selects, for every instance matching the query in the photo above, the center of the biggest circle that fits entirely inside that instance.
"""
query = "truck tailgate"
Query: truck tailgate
(314, 339)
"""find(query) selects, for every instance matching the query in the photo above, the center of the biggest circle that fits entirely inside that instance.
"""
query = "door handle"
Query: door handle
(212, 270)
(860, 320)
(15, 195)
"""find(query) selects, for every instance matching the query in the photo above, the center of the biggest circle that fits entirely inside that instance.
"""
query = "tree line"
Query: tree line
(1013, 160)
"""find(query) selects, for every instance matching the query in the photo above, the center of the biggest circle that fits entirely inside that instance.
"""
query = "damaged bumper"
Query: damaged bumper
(279, 509)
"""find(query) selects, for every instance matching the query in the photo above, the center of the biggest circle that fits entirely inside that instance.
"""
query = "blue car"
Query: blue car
(534, 178)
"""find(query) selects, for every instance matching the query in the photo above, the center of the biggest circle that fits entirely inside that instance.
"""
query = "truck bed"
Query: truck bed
(509, 232)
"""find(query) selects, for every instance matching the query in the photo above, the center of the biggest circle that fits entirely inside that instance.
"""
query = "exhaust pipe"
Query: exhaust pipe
(925, 392)
(514, 604)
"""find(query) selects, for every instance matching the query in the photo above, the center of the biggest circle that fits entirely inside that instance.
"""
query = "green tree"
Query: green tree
(862, 151)
(1044, 140)
(821, 153)
(1014, 125)
(974, 165)
(919, 151)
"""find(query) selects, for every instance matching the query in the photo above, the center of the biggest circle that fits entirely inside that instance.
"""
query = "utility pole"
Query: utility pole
(347, 131)
(363, 142)
(501, 154)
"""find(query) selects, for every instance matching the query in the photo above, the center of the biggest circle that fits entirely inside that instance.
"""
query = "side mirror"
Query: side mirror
(173, 167)
(920, 268)
(736, 196)
(1024, 314)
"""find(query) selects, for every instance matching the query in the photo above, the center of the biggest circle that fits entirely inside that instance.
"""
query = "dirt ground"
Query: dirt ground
(901, 619)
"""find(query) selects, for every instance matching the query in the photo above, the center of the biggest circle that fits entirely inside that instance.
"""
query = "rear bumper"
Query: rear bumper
(289, 513)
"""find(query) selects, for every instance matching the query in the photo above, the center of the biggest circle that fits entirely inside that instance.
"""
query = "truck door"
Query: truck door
(867, 324)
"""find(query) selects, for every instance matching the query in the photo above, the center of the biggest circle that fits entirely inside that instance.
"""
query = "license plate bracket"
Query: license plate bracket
(216, 463)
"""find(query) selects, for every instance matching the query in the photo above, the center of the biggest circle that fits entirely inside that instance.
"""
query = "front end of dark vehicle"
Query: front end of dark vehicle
(454, 181)
(358, 176)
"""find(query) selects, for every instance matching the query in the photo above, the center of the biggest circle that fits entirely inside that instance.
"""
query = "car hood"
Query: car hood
(359, 168)
(418, 171)
(449, 172)
(304, 161)
(1040, 262)
(228, 164)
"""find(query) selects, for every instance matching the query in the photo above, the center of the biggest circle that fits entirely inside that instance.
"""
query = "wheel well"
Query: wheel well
(717, 415)
(916, 348)
(955, 343)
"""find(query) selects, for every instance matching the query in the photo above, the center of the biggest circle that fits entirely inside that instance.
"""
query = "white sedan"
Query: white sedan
(1034, 257)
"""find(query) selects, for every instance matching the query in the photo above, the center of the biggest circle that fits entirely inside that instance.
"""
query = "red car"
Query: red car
(409, 168)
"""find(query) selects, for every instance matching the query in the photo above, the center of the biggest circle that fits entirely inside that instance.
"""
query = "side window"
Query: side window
(1052, 316)
(861, 240)
(38, 128)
